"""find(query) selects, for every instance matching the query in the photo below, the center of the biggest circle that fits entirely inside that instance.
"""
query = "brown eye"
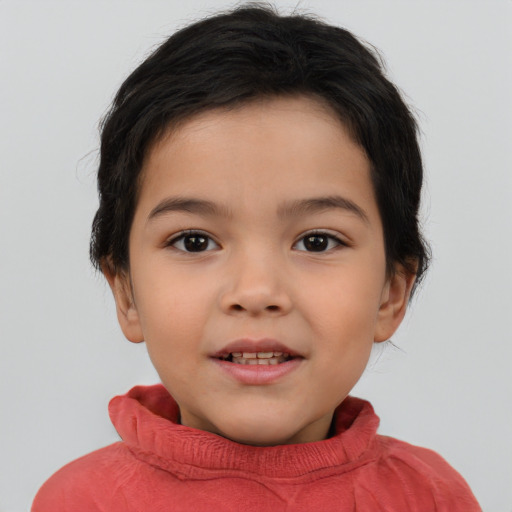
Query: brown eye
(317, 242)
(193, 242)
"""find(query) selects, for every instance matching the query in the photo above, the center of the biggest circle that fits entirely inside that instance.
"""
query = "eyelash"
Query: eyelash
(201, 234)
(338, 242)
(190, 233)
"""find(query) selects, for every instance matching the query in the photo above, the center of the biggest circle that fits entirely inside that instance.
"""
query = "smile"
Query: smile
(257, 362)
(256, 358)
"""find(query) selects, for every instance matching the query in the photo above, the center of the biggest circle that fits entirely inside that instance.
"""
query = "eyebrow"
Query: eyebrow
(189, 205)
(289, 209)
(320, 204)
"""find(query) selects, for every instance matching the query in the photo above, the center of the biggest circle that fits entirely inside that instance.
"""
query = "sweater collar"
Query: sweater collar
(146, 418)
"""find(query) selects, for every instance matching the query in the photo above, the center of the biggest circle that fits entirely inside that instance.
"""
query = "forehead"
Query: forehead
(257, 155)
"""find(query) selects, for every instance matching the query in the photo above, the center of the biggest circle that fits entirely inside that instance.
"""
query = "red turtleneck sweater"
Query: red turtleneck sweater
(162, 466)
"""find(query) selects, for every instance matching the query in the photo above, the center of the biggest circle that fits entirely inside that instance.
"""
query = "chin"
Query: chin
(252, 432)
(256, 439)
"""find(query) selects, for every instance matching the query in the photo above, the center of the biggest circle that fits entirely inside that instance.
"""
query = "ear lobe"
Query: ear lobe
(395, 297)
(127, 313)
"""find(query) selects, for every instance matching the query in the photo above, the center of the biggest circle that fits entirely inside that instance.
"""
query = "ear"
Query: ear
(394, 300)
(127, 313)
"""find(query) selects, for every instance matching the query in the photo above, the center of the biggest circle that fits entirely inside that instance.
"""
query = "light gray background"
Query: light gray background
(62, 355)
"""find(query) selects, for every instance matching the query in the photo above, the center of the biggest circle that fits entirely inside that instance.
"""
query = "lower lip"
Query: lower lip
(258, 375)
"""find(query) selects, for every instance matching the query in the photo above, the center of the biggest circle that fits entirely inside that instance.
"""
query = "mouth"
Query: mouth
(257, 362)
(264, 352)
(268, 358)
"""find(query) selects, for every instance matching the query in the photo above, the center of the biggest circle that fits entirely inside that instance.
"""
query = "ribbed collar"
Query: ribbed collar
(146, 419)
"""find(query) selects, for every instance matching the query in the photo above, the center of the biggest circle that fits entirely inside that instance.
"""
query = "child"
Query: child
(259, 189)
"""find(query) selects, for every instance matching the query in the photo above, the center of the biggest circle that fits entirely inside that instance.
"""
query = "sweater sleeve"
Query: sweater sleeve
(423, 477)
(87, 484)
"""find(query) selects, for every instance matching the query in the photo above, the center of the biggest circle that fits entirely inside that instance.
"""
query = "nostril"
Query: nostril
(238, 307)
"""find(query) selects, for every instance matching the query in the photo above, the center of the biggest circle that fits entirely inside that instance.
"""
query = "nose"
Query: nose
(257, 285)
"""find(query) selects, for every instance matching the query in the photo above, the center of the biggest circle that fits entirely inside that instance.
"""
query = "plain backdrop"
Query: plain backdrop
(62, 356)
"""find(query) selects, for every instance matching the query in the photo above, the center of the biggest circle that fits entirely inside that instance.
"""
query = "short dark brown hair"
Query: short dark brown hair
(252, 52)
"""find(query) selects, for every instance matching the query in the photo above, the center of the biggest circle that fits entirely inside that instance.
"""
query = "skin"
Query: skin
(256, 277)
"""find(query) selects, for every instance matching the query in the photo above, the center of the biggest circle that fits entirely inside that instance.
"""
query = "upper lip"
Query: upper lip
(254, 346)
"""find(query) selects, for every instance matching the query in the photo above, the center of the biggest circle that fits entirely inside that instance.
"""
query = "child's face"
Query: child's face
(257, 230)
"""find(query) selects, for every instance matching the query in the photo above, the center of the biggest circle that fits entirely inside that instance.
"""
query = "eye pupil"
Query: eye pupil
(316, 243)
(195, 243)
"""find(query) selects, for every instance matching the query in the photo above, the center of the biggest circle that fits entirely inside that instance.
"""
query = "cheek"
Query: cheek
(347, 301)
(344, 317)
(171, 306)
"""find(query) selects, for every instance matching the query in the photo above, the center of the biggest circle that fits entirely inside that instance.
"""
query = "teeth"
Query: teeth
(260, 361)
(256, 358)
(256, 355)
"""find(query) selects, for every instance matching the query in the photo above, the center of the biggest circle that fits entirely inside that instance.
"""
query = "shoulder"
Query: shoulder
(425, 475)
(85, 483)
